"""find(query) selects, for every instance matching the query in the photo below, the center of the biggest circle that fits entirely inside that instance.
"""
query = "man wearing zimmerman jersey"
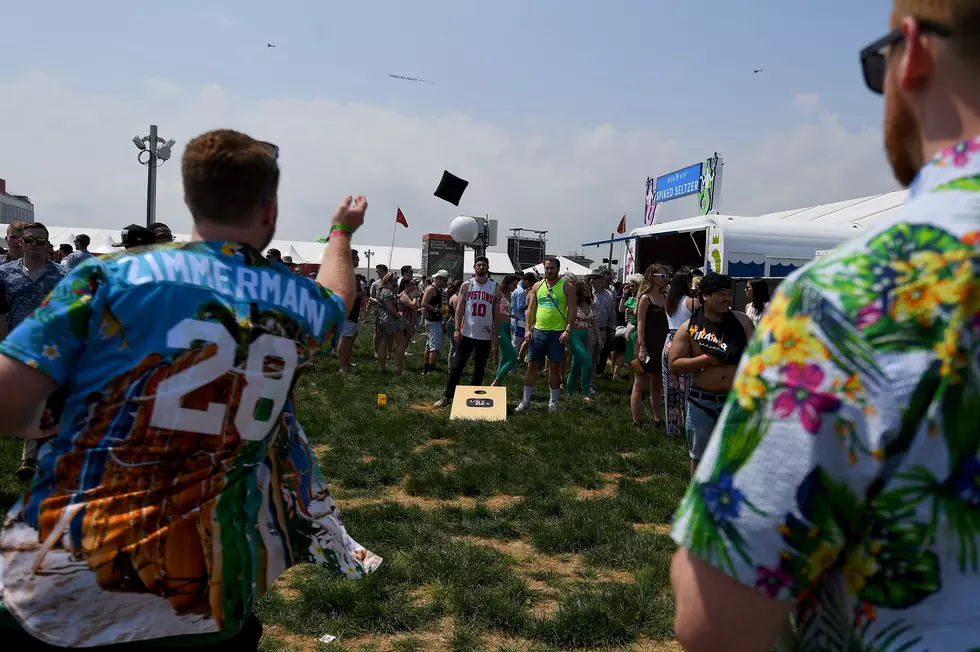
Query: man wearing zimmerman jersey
(179, 485)
(477, 312)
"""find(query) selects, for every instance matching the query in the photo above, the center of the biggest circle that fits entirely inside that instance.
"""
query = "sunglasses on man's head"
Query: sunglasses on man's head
(874, 59)
(34, 239)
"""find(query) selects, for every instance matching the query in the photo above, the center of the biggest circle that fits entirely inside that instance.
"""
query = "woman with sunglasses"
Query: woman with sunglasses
(651, 327)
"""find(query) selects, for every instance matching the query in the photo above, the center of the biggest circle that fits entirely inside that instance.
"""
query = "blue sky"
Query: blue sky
(682, 69)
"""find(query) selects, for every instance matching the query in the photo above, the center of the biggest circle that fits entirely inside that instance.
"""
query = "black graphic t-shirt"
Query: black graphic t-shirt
(723, 339)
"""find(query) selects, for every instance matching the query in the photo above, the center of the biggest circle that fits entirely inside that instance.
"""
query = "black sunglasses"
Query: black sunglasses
(33, 239)
(874, 61)
(274, 151)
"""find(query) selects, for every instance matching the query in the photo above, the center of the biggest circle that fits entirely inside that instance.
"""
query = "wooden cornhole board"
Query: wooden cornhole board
(479, 403)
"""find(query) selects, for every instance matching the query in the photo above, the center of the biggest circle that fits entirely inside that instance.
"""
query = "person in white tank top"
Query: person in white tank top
(477, 313)
(478, 318)
(675, 387)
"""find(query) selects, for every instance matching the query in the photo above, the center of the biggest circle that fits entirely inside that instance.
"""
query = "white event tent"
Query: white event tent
(102, 241)
(862, 211)
(580, 271)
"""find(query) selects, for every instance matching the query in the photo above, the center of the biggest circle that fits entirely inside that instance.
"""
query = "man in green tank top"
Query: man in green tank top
(550, 317)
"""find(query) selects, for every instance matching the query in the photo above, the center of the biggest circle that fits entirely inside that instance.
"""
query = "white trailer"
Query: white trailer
(742, 247)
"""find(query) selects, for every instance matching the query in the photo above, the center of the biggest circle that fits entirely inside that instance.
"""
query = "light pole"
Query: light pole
(157, 156)
(368, 254)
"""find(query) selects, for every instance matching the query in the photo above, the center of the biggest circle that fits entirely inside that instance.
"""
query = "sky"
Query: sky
(556, 112)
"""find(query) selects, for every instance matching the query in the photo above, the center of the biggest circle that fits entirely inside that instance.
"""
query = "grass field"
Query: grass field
(547, 532)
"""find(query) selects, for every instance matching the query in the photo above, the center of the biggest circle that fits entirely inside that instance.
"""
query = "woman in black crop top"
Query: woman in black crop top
(651, 323)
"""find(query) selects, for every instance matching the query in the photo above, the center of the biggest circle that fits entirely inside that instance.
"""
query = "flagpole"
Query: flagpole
(391, 249)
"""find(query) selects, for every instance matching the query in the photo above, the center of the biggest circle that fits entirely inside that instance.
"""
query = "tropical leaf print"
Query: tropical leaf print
(970, 184)
(853, 352)
(901, 290)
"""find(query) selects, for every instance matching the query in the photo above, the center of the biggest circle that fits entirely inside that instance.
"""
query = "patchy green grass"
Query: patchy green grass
(545, 532)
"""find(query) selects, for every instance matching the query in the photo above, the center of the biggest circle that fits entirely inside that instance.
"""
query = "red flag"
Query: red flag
(400, 218)
(622, 226)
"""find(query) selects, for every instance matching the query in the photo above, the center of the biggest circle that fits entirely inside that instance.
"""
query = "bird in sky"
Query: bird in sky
(269, 45)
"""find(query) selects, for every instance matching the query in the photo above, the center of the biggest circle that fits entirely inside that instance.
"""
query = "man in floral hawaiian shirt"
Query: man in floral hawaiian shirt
(843, 480)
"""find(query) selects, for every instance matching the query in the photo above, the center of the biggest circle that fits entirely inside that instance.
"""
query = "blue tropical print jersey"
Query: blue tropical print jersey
(843, 474)
(180, 484)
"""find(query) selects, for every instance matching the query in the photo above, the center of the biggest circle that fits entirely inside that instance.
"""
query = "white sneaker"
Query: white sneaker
(443, 402)
(552, 407)
(523, 405)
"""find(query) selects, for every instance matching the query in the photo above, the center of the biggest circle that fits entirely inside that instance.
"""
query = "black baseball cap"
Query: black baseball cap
(135, 235)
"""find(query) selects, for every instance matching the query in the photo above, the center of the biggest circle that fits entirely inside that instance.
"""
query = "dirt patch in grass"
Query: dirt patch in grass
(609, 488)
(302, 643)
(424, 594)
(434, 638)
(399, 496)
(431, 443)
(428, 408)
(629, 455)
(644, 644)
(320, 449)
(284, 583)
(659, 528)
(496, 641)
(531, 562)
(367, 459)
(502, 501)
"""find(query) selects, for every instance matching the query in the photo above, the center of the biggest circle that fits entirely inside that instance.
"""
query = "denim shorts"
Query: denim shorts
(703, 410)
(349, 329)
(433, 331)
(546, 344)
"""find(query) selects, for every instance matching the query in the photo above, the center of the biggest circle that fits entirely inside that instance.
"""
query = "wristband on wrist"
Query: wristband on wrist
(340, 232)
(342, 227)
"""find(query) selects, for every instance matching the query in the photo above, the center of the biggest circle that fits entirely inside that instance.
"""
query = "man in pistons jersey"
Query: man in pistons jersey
(179, 485)
(477, 312)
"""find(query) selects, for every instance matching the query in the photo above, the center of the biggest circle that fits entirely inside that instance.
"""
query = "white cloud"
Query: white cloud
(574, 181)
(160, 88)
(806, 101)
(224, 20)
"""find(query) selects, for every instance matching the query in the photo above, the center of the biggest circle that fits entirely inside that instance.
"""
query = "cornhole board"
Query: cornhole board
(479, 403)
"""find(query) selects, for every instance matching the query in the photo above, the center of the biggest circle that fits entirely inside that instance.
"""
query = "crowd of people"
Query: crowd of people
(832, 430)
(579, 329)
(31, 267)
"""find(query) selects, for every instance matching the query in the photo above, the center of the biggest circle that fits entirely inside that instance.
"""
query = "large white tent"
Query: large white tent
(102, 241)
(862, 211)
(566, 266)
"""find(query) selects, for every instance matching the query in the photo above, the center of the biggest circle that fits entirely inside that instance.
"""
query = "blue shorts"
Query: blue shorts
(433, 332)
(703, 410)
(546, 344)
(349, 329)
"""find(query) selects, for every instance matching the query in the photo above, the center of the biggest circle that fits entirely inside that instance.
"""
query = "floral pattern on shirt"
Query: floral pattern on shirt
(844, 473)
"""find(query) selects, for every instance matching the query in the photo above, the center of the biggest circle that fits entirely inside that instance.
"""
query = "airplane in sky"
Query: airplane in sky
(269, 45)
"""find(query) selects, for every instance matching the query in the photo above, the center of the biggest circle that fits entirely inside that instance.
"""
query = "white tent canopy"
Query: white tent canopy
(567, 266)
(862, 211)
(301, 251)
